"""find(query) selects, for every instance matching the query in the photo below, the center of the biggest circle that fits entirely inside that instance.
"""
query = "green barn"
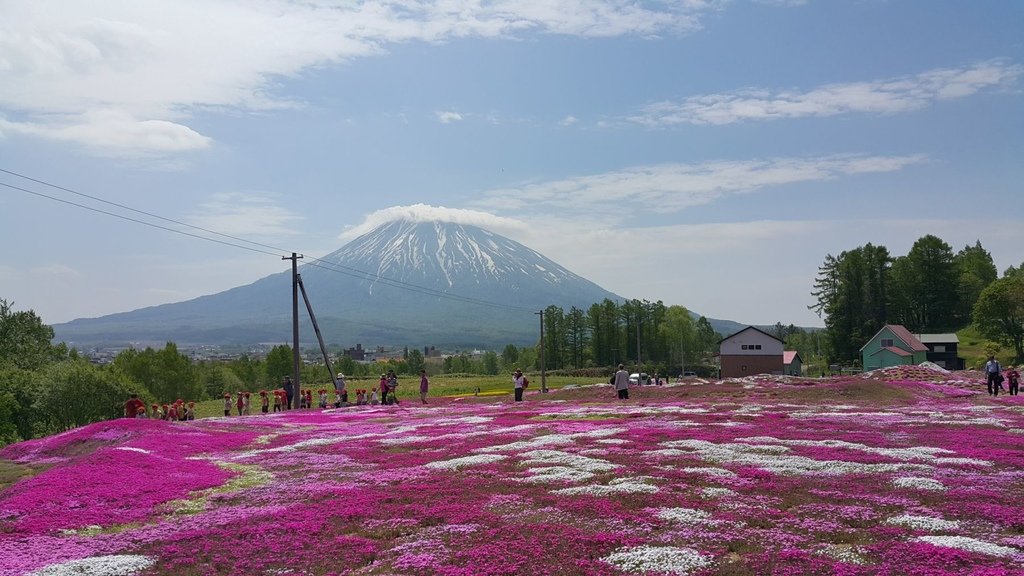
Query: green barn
(893, 345)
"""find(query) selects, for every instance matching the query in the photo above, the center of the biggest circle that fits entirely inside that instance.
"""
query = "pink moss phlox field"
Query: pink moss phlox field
(853, 476)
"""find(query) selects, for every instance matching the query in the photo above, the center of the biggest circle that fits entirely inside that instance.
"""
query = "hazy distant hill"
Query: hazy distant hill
(404, 283)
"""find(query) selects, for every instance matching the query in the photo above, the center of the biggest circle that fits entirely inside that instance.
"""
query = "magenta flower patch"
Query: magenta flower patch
(749, 479)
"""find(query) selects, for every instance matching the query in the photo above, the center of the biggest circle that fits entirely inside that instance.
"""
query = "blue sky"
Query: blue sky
(702, 153)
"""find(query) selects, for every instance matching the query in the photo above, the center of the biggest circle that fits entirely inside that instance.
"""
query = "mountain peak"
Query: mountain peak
(449, 256)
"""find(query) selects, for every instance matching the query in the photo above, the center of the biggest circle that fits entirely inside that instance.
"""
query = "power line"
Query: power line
(129, 208)
(314, 262)
(130, 219)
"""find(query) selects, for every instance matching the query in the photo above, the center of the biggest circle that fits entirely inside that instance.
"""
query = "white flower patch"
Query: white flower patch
(923, 523)
(916, 453)
(556, 474)
(405, 440)
(710, 471)
(658, 559)
(683, 515)
(612, 441)
(312, 442)
(617, 486)
(918, 483)
(843, 553)
(456, 463)
(828, 415)
(969, 544)
(969, 461)
(712, 492)
(774, 459)
(550, 440)
(133, 449)
(557, 457)
(119, 565)
(463, 420)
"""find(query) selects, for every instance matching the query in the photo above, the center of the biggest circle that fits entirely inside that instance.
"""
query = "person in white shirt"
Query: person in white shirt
(622, 383)
(993, 371)
(518, 384)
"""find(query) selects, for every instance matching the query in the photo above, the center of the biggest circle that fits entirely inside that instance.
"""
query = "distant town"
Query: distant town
(103, 355)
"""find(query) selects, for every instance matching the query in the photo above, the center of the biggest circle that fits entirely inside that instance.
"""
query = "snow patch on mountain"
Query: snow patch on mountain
(446, 255)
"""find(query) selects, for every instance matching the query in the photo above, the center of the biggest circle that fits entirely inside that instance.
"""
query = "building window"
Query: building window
(886, 342)
(743, 347)
(939, 348)
(757, 346)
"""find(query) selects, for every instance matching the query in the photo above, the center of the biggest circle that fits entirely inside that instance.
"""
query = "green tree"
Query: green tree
(577, 337)
(490, 362)
(279, 363)
(976, 271)
(217, 378)
(999, 313)
(75, 393)
(414, 361)
(707, 339)
(853, 293)
(249, 372)
(18, 392)
(926, 282)
(509, 356)
(167, 374)
(25, 342)
(678, 330)
(345, 365)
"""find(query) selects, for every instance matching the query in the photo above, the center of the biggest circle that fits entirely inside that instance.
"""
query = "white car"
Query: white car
(641, 378)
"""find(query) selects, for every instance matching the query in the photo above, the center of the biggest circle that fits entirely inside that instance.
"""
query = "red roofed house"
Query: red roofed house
(893, 345)
(792, 364)
(750, 351)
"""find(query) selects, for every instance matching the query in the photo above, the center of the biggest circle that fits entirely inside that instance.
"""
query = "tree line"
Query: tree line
(47, 388)
(931, 289)
(660, 338)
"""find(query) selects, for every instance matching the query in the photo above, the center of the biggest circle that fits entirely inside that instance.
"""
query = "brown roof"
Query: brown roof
(895, 350)
(908, 338)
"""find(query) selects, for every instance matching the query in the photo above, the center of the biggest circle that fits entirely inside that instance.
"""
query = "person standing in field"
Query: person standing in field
(993, 373)
(289, 392)
(133, 405)
(392, 397)
(1013, 378)
(622, 383)
(424, 386)
(518, 384)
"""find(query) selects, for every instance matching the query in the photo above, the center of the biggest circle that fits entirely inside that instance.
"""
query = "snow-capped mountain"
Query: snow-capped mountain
(403, 283)
(458, 260)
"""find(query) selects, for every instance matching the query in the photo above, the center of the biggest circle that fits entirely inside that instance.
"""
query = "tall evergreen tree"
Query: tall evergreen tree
(976, 271)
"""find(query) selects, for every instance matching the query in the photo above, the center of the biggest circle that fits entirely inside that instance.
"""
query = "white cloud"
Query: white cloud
(448, 117)
(426, 213)
(113, 133)
(238, 214)
(148, 66)
(888, 96)
(674, 187)
(568, 120)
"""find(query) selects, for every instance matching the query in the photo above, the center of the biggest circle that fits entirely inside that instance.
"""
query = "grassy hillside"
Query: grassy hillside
(972, 349)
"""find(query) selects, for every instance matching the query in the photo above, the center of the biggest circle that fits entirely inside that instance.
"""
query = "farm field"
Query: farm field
(902, 471)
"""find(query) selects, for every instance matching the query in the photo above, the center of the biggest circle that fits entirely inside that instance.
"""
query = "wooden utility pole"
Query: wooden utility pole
(296, 358)
(543, 364)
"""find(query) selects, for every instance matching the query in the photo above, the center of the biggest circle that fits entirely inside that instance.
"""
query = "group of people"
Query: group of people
(994, 377)
(178, 410)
